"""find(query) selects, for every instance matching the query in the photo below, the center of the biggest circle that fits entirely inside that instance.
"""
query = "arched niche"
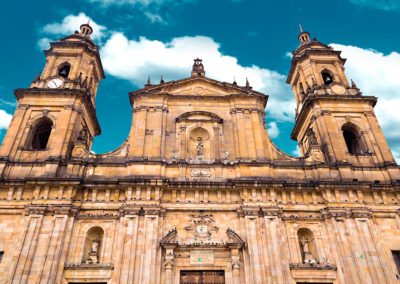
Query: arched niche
(199, 136)
(307, 245)
(93, 244)
(199, 144)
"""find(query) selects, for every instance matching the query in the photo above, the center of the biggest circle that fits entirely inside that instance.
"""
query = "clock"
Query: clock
(55, 83)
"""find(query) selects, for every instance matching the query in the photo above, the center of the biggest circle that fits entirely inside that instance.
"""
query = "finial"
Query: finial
(234, 81)
(353, 84)
(301, 27)
(162, 80)
(84, 83)
(314, 83)
(79, 78)
(248, 84)
(148, 83)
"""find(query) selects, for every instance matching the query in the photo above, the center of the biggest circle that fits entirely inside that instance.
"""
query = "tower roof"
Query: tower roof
(306, 48)
(79, 39)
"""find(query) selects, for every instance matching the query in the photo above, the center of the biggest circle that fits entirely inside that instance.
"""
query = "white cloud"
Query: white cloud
(44, 43)
(72, 23)
(151, 9)
(396, 153)
(377, 74)
(154, 18)
(273, 130)
(174, 60)
(143, 3)
(5, 119)
(387, 5)
(296, 152)
(8, 103)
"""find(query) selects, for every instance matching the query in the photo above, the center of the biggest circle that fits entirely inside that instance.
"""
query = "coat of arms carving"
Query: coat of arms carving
(202, 227)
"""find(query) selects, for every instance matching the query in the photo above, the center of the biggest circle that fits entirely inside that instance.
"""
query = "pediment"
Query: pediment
(197, 86)
(202, 88)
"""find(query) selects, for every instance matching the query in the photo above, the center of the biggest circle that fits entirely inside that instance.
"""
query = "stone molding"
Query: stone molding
(51, 209)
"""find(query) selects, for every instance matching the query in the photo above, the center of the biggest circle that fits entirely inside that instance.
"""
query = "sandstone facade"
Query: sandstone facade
(197, 193)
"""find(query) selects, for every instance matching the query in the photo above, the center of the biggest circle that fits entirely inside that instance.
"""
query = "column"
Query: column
(241, 131)
(49, 67)
(183, 145)
(217, 143)
(257, 128)
(75, 70)
(235, 258)
(169, 263)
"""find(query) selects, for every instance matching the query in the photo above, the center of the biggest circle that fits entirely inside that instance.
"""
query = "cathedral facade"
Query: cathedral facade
(197, 193)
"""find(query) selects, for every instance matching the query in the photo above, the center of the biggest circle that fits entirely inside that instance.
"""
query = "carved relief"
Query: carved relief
(200, 174)
(202, 227)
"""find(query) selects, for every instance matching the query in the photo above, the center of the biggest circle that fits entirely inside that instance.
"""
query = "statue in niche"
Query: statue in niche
(83, 136)
(200, 146)
(311, 137)
(93, 256)
(308, 257)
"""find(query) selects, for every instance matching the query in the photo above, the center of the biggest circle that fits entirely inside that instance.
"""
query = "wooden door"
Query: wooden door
(202, 277)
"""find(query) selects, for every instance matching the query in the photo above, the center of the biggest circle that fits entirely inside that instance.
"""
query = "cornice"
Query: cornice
(169, 96)
(312, 99)
(84, 94)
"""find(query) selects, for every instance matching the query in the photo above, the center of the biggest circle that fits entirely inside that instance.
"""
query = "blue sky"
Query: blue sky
(236, 38)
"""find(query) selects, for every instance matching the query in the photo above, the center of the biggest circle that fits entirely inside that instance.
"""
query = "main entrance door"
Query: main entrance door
(202, 277)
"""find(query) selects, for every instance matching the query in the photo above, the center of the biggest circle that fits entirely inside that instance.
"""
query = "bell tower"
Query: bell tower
(57, 114)
(332, 115)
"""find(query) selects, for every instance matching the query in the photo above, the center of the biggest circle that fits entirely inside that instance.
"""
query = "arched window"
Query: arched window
(307, 245)
(327, 77)
(353, 140)
(41, 134)
(93, 245)
(63, 70)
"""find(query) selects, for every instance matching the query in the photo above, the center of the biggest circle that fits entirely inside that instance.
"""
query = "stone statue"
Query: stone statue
(83, 136)
(200, 147)
(93, 256)
(95, 244)
(308, 257)
(311, 137)
(304, 243)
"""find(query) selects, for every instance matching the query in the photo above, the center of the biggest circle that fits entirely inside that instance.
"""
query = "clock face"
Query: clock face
(55, 83)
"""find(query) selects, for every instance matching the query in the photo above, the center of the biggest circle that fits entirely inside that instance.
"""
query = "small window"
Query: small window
(327, 77)
(63, 70)
(1, 255)
(41, 134)
(396, 257)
